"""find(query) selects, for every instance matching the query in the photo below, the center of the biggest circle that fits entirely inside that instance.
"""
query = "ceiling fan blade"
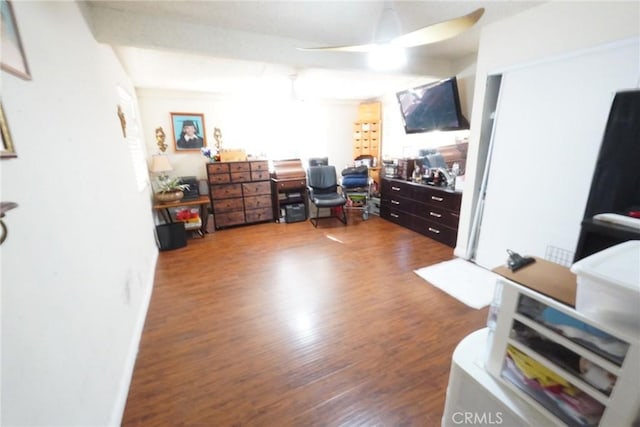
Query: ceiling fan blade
(357, 48)
(438, 32)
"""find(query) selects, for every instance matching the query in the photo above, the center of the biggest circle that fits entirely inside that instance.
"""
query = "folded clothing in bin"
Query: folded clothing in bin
(357, 170)
(355, 177)
(350, 181)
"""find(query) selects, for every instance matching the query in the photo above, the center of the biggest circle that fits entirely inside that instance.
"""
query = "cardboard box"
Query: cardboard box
(233, 156)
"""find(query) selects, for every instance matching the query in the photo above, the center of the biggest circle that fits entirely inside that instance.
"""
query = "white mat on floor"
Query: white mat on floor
(462, 280)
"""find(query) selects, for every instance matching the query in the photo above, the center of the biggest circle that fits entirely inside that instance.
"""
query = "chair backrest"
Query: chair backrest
(318, 161)
(322, 179)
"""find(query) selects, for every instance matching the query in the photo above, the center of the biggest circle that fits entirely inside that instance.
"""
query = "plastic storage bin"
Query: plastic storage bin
(295, 212)
(609, 285)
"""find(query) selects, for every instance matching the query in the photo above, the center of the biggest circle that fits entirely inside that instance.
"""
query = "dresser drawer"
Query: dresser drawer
(226, 191)
(397, 188)
(436, 231)
(217, 168)
(398, 217)
(239, 167)
(261, 166)
(240, 176)
(256, 188)
(219, 178)
(397, 203)
(229, 218)
(440, 198)
(256, 202)
(228, 205)
(257, 215)
(259, 175)
(436, 214)
(292, 184)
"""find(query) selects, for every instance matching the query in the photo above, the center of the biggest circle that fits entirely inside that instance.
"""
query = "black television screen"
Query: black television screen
(434, 106)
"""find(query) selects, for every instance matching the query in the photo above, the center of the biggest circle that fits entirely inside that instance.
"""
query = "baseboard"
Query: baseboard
(125, 381)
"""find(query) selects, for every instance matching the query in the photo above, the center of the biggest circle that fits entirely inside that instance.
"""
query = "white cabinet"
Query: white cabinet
(572, 369)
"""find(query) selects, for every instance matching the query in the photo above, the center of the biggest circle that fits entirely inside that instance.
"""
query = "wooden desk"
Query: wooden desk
(548, 278)
(203, 202)
(287, 188)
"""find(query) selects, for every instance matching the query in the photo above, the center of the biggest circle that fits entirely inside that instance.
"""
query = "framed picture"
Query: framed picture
(188, 131)
(13, 59)
(7, 149)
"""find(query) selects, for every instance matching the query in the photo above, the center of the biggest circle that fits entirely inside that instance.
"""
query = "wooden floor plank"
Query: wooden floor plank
(291, 325)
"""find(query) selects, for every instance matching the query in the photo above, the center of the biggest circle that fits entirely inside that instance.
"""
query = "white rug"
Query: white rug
(463, 280)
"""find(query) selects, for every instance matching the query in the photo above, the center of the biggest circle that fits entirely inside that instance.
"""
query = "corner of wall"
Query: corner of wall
(120, 401)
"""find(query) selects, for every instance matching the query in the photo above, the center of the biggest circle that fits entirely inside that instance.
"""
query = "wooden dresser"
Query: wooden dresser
(240, 192)
(431, 211)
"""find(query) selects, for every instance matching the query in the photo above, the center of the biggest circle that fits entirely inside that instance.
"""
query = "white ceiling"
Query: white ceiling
(223, 46)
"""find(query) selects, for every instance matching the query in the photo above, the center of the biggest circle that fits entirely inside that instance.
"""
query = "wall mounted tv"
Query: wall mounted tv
(433, 106)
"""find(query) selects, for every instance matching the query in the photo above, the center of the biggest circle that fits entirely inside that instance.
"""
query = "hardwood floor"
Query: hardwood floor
(289, 325)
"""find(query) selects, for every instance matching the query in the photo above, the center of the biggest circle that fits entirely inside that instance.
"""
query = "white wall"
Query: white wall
(548, 30)
(278, 128)
(77, 267)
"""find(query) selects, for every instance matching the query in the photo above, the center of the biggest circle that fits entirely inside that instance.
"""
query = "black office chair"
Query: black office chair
(318, 161)
(323, 186)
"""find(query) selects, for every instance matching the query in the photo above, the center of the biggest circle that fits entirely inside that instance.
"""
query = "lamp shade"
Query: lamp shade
(160, 163)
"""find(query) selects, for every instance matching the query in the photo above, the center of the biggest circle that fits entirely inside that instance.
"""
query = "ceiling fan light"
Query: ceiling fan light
(387, 57)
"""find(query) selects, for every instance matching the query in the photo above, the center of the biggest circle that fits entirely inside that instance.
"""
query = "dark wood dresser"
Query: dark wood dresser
(240, 192)
(428, 210)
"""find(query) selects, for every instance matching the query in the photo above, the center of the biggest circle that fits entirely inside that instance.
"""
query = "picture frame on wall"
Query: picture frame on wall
(6, 150)
(13, 59)
(188, 131)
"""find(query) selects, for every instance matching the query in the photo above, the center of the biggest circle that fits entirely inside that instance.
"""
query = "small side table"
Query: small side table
(285, 188)
(203, 202)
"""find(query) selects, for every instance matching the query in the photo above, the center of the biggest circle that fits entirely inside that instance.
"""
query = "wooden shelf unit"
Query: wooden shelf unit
(526, 326)
(367, 135)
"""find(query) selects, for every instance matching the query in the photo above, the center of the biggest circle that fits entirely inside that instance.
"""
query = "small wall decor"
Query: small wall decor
(217, 136)
(160, 137)
(12, 59)
(188, 131)
(123, 121)
(7, 150)
(5, 207)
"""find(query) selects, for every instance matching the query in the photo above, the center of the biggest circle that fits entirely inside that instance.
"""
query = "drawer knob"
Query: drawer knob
(395, 202)
(435, 214)
(434, 230)
(395, 215)
(395, 188)
(436, 198)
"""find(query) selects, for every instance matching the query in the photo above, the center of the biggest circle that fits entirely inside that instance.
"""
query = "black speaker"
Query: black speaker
(193, 192)
(171, 236)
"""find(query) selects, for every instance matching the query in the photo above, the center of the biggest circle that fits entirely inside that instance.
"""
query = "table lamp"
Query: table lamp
(160, 165)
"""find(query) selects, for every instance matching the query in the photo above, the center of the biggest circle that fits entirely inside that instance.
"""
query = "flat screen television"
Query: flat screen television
(433, 106)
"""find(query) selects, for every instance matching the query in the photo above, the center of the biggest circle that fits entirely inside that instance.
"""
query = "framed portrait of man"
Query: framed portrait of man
(188, 131)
